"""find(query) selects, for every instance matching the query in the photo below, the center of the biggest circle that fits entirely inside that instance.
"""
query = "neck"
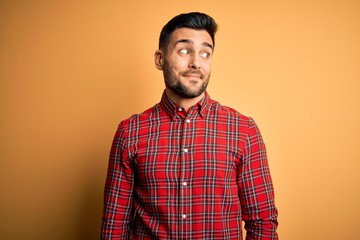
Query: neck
(185, 103)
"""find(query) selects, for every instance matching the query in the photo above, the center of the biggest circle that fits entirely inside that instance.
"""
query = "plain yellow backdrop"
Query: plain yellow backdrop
(70, 71)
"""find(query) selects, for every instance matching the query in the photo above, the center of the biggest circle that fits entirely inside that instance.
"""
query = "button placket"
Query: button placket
(185, 191)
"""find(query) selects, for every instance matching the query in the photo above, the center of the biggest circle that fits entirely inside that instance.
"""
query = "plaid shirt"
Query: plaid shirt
(174, 174)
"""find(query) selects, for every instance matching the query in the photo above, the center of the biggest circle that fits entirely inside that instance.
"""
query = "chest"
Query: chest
(200, 150)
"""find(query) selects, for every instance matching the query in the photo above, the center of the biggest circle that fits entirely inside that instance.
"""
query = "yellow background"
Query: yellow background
(71, 70)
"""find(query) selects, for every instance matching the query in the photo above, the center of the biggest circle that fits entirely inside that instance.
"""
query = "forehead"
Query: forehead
(197, 36)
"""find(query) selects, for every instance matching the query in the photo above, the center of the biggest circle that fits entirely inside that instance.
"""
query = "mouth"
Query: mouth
(193, 76)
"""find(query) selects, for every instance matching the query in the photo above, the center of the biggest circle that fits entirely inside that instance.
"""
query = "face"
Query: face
(186, 63)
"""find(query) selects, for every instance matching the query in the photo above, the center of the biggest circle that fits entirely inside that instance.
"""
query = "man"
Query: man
(188, 168)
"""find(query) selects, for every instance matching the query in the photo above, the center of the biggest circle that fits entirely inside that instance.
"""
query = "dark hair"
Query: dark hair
(194, 20)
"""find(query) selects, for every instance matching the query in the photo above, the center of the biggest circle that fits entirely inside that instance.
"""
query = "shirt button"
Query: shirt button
(184, 184)
(180, 109)
(186, 150)
(187, 120)
(183, 216)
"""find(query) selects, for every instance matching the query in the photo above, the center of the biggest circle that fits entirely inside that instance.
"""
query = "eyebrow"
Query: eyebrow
(205, 44)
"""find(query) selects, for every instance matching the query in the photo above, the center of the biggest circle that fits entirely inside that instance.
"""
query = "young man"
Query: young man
(188, 168)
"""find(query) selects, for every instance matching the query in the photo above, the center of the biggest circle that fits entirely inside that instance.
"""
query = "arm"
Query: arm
(118, 192)
(256, 190)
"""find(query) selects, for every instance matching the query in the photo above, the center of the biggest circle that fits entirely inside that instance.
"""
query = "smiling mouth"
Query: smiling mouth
(193, 76)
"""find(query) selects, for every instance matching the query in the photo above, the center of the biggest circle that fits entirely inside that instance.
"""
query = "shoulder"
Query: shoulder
(231, 116)
(228, 112)
(140, 118)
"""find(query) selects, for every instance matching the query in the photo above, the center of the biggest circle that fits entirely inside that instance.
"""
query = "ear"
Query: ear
(159, 59)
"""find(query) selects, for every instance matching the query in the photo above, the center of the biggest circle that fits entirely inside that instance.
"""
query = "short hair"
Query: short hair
(193, 20)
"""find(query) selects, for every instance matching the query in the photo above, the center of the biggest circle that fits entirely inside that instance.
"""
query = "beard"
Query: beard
(179, 88)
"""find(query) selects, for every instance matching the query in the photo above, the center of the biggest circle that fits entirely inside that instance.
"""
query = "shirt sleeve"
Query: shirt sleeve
(118, 196)
(256, 190)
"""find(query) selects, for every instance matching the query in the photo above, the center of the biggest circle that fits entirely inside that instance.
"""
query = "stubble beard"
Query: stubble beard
(175, 85)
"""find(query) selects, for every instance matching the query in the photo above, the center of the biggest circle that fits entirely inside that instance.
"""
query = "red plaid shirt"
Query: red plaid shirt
(188, 175)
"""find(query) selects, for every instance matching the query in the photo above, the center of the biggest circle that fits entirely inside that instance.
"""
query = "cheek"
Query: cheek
(176, 59)
(207, 67)
(178, 64)
(182, 63)
(180, 67)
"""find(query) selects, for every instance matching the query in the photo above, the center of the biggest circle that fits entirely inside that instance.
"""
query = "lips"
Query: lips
(193, 75)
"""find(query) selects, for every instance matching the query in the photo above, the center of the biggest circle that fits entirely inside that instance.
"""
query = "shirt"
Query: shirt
(196, 174)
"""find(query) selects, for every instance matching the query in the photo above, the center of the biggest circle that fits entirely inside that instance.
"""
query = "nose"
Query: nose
(194, 62)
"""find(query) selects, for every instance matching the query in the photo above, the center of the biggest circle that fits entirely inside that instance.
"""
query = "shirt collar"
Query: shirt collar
(172, 108)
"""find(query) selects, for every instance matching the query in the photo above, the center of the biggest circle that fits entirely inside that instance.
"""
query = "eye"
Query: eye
(185, 51)
(205, 55)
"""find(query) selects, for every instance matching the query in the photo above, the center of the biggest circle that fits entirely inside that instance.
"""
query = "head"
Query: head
(185, 51)
(193, 20)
